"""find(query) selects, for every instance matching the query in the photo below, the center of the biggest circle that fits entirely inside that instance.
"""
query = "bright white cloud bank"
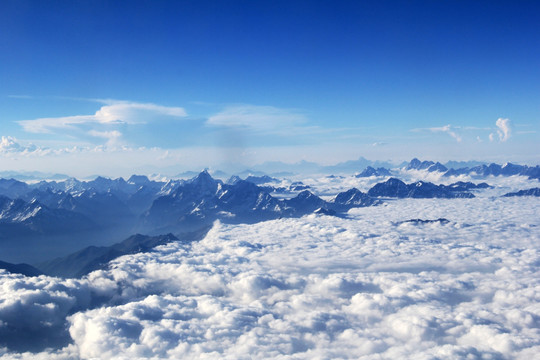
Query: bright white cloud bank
(319, 287)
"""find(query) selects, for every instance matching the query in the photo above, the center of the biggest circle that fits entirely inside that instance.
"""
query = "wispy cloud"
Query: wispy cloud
(15, 96)
(115, 112)
(449, 129)
(259, 118)
(113, 136)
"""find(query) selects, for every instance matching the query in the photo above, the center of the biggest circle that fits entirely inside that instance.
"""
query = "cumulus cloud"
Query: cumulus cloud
(9, 144)
(314, 287)
(262, 118)
(504, 129)
(11, 148)
(33, 311)
(321, 287)
(115, 112)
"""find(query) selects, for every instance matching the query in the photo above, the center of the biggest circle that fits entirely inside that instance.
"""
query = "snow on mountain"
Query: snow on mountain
(117, 208)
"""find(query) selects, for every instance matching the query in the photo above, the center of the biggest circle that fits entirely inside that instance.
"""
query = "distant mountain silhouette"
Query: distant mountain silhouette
(396, 188)
(24, 269)
(94, 258)
(528, 192)
(369, 171)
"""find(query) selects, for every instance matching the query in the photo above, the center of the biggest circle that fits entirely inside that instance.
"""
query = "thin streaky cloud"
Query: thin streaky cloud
(472, 128)
(20, 97)
(269, 120)
(256, 117)
(446, 129)
(114, 113)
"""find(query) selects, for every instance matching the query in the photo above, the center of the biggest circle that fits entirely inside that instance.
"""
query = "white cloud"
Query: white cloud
(314, 287)
(9, 145)
(116, 112)
(504, 129)
(491, 137)
(262, 118)
(446, 129)
(323, 287)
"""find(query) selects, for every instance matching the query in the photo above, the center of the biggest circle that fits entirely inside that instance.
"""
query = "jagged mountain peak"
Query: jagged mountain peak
(203, 182)
(306, 194)
(138, 179)
(233, 179)
(393, 181)
(203, 176)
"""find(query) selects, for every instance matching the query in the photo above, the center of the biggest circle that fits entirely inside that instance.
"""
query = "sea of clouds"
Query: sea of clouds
(369, 285)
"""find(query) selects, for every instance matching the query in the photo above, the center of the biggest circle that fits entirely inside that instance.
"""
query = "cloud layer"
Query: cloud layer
(365, 286)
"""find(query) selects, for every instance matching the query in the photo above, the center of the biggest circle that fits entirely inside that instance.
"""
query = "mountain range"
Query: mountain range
(72, 214)
(202, 200)
(527, 192)
(396, 188)
(110, 209)
(482, 170)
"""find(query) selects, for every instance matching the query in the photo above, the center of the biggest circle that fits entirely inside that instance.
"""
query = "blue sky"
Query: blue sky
(125, 86)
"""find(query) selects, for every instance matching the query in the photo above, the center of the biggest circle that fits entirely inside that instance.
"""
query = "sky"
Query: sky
(114, 88)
